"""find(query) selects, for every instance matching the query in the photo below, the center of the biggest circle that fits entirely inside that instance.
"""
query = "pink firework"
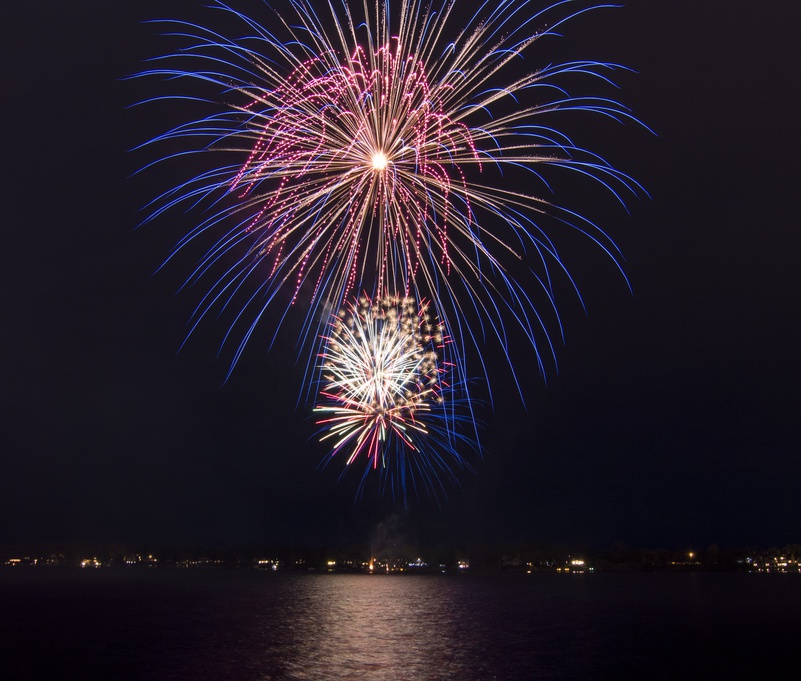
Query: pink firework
(369, 137)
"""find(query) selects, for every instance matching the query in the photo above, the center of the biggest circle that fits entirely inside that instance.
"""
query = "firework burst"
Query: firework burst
(367, 147)
(383, 376)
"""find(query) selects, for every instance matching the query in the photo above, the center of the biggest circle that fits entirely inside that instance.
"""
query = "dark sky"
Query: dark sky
(673, 420)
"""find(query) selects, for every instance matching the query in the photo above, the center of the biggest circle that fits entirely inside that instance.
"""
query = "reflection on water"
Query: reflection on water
(382, 628)
(213, 626)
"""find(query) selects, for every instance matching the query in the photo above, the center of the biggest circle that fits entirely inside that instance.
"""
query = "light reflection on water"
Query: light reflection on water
(381, 627)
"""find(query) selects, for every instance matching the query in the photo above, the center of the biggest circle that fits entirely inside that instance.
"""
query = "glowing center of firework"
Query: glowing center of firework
(380, 161)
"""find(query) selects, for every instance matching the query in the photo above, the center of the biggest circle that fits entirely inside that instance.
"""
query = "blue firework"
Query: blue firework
(394, 148)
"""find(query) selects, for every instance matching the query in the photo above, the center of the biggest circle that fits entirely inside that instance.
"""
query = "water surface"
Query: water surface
(218, 624)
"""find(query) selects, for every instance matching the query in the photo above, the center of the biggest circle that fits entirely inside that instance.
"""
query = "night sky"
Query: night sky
(673, 419)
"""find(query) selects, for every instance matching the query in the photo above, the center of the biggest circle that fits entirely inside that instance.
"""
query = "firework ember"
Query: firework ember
(383, 379)
(381, 375)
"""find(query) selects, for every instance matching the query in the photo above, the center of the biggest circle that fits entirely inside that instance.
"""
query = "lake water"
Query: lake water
(215, 625)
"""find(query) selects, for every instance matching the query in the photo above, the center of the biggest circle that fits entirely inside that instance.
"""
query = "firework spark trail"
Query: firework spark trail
(383, 376)
(382, 152)
(368, 151)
